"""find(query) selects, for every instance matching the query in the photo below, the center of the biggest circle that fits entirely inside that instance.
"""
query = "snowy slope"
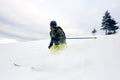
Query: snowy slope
(83, 59)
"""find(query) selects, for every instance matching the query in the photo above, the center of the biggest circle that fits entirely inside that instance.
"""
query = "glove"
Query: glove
(50, 46)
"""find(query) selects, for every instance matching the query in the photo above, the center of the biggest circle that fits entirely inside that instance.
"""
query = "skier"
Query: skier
(58, 38)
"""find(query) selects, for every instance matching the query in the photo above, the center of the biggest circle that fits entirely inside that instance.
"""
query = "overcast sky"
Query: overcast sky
(29, 19)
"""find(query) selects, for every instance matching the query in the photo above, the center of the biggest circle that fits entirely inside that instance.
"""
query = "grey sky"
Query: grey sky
(30, 18)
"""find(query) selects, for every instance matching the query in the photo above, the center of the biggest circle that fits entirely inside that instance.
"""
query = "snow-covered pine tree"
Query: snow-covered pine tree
(109, 24)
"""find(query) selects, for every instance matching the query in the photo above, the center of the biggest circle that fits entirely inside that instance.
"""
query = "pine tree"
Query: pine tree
(109, 24)
(94, 31)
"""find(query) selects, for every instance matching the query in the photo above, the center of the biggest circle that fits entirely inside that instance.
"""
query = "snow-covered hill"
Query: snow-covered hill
(83, 59)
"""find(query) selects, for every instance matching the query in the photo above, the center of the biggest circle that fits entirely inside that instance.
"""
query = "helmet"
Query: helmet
(53, 23)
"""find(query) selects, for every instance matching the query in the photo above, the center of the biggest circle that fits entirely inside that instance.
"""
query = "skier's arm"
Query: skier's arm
(51, 42)
(50, 45)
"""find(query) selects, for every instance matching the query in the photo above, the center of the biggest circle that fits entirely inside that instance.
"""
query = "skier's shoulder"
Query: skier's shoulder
(59, 28)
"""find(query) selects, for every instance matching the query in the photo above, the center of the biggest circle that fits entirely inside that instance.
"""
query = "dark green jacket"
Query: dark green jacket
(57, 36)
